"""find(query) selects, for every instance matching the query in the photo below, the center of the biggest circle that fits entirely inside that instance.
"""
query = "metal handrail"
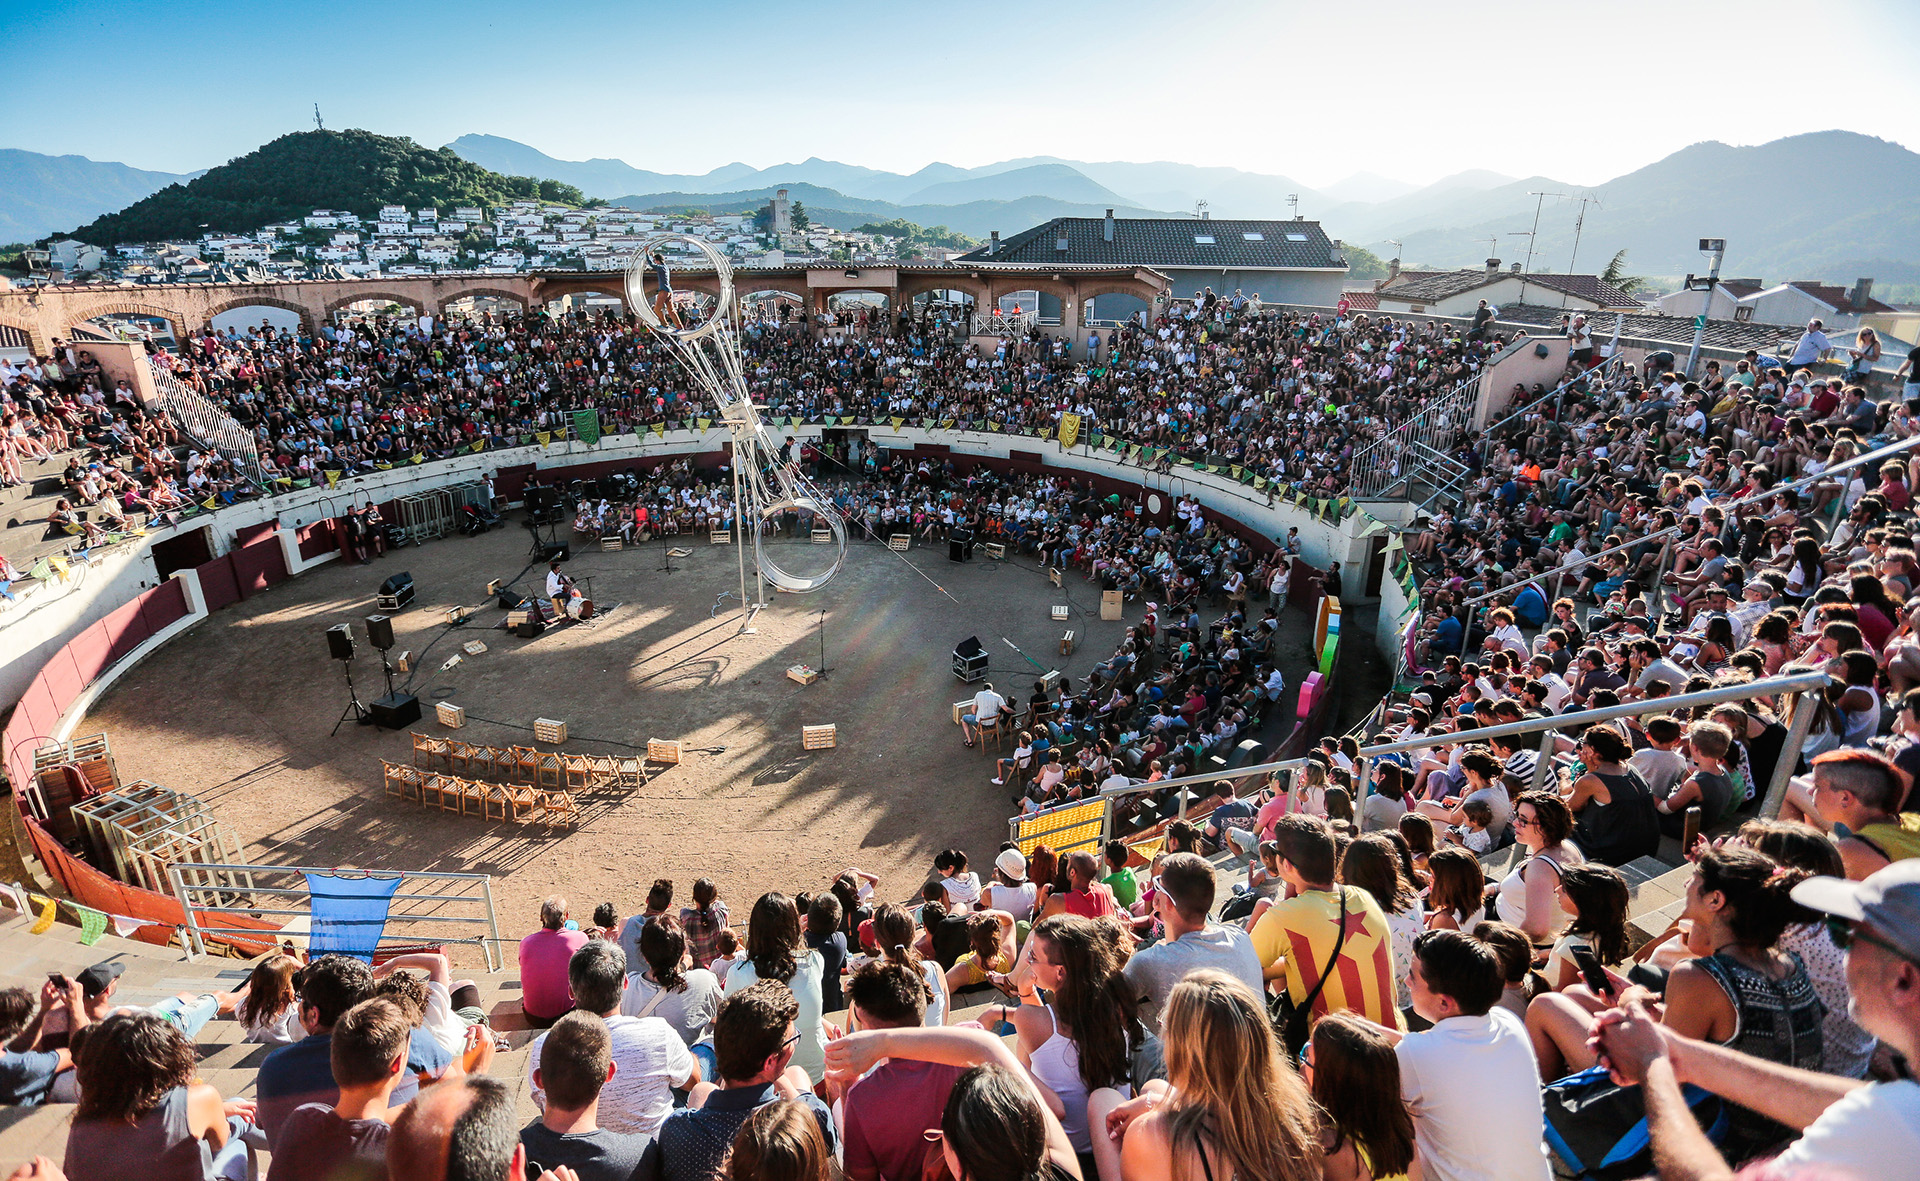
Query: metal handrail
(1794, 685)
(1553, 394)
(1439, 421)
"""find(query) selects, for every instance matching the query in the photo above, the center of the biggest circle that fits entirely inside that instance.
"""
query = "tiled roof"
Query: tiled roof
(1362, 301)
(1675, 330)
(1168, 242)
(1838, 298)
(1431, 287)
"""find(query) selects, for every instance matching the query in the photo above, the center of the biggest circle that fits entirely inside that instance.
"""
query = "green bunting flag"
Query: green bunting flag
(303, 482)
(586, 426)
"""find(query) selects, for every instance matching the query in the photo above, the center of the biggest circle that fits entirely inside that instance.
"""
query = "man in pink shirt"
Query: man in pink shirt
(545, 995)
(1247, 843)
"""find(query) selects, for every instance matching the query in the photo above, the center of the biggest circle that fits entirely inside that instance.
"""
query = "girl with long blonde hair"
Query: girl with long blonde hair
(1232, 1107)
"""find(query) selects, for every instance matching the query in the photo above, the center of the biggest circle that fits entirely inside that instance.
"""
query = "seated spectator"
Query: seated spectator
(1860, 790)
(1294, 940)
(1373, 864)
(461, 1131)
(447, 1007)
(990, 950)
(1846, 1127)
(1473, 1061)
(945, 937)
(27, 1072)
(650, 1057)
(544, 956)
(1231, 1098)
(1366, 1129)
(685, 998)
(776, 951)
(271, 1009)
(1190, 940)
(574, 1063)
(347, 1139)
(142, 1114)
(824, 936)
(1525, 897)
(893, 936)
(781, 1141)
(1596, 898)
(1740, 989)
(1010, 889)
(886, 1110)
(703, 922)
(754, 1037)
(1707, 787)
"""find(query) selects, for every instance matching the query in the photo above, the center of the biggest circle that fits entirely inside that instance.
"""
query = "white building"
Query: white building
(1793, 304)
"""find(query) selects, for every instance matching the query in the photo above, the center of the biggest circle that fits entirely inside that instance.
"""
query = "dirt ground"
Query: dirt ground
(238, 713)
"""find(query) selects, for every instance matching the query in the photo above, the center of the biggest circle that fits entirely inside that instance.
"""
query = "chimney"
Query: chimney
(1861, 293)
(1393, 269)
(1206, 215)
(993, 244)
(1493, 265)
(1109, 225)
(1515, 268)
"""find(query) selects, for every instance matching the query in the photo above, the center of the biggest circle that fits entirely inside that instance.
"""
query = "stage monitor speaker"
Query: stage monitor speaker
(392, 585)
(530, 628)
(340, 642)
(395, 711)
(380, 632)
(540, 497)
(555, 553)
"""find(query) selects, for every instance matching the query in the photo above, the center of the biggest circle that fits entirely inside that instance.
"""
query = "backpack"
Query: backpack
(1598, 1128)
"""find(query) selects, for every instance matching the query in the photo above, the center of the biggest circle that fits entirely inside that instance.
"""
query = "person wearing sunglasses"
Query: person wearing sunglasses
(1848, 1127)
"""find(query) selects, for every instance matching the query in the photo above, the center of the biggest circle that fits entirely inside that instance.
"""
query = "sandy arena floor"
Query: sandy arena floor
(238, 713)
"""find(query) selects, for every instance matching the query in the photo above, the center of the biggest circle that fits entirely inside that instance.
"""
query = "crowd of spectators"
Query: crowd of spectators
(1367, 1004)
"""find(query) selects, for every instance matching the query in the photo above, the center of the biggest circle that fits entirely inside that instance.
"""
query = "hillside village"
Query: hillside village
(520, 236)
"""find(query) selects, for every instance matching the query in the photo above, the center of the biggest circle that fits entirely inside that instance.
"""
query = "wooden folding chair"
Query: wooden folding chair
(483, 762)
(495, 801)
(576, 772)
(549, 772)
(459, 757)
(434, 788)
(526, 764)
(630, 770)
(522, 802)
(423, 751)
(473, 797)
(558, 806)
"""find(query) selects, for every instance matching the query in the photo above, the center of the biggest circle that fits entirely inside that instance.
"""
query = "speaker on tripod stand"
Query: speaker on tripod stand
(396, 710)
(340, 647)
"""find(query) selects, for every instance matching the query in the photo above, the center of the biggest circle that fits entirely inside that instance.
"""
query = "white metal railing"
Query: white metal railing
(1396, 456)
(205, 423)
(426, 907)
(1013, 324)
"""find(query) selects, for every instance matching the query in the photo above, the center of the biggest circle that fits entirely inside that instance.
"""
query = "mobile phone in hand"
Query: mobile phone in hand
(59, 980)
(1590, 969)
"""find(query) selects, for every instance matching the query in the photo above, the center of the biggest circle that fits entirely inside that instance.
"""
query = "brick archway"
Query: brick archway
(128, 308)
(304, 311)
(35, 342)
(334, 306)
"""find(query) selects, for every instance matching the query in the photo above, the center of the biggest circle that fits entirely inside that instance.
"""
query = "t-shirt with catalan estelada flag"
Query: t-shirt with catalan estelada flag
(1304, 929)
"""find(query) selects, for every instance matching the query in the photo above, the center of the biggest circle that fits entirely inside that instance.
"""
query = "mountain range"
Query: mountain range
(1832, 205)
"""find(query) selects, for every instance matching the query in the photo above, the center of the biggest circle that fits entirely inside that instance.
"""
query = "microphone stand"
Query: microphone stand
(821, 628)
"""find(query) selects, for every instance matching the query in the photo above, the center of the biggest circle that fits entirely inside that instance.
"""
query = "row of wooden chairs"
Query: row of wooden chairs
(545, 769)
(494, 801)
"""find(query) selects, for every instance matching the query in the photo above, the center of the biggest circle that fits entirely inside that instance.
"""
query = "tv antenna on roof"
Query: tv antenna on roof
(317, 125)
(1293, 205)
(1579, 223)
(1200, 209)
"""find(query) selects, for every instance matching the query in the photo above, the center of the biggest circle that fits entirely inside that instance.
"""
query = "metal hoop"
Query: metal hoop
(640, 262)
(794, 582)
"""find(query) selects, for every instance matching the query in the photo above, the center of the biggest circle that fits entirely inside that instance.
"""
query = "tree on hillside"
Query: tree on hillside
(1362, 263)
(1616, 274)
(799, 217)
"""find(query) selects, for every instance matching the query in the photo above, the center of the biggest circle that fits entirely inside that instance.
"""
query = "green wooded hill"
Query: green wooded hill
(307, 170)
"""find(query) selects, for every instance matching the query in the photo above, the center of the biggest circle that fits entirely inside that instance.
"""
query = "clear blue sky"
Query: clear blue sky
(1406, 88)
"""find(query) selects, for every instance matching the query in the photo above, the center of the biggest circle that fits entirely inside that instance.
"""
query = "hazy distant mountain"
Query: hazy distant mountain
(1368, 186)
(595, 178)
(1830, 205)
(841, 211)
(1039, 180)
(48, 194)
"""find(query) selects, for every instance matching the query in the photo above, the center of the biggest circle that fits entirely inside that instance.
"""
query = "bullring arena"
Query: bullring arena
(238, 709)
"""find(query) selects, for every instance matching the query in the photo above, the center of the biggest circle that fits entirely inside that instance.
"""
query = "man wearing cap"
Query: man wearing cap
(1849, 1128)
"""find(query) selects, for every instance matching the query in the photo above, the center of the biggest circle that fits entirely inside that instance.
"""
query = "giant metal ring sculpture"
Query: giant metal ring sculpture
(710, 353)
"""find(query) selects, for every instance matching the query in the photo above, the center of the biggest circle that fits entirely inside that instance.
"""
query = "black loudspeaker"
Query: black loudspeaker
(555, 553)
(395, 711)
(530, 628)
(340, 642)
(380, 632)
(393, 585)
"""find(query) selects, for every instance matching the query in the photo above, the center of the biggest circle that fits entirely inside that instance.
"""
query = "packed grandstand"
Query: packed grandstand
(1421, 948)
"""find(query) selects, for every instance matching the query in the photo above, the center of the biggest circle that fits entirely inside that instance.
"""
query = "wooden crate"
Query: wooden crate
(802, 673)
(549, 730)
(610, 545)
(720, 536)
(1110, 604)
(473, 647)
(1066, 644)
(659, 751)
(996, 551)
(900, 542)
(451, 716)
(823, 537)
(819, 737)
(961, 707)
(1060, 612)
(1053, 575)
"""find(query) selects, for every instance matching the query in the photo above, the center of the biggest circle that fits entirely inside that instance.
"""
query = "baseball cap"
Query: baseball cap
(95, 979)
(1889, 899)
(1013, 863)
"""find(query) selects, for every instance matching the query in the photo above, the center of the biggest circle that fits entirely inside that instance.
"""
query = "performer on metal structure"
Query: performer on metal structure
(663, 308)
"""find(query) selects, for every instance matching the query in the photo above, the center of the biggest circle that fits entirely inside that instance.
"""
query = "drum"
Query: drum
(579, 607)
